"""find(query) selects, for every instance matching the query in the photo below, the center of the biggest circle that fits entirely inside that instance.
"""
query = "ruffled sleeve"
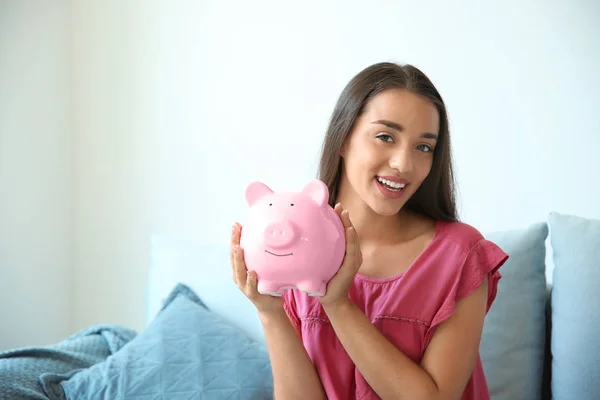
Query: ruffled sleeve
(483, 259)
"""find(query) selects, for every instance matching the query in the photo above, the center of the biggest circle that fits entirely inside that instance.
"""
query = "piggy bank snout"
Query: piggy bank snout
(280, 234)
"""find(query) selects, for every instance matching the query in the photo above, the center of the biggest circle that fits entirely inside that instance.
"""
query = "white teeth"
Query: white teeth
(391, 184)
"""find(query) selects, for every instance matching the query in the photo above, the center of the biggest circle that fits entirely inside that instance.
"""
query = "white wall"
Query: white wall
(113, 134)
(174, 104)
(519, 79)
(36, 169)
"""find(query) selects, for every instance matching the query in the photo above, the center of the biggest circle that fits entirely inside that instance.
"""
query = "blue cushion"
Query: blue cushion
(187, 352)
(575, 304)
(512, 346)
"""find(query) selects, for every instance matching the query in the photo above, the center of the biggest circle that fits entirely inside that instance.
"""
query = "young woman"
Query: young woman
(403, 317)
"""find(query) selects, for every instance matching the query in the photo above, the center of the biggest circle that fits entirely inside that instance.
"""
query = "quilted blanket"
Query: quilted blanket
(24, 371)
(187, 352)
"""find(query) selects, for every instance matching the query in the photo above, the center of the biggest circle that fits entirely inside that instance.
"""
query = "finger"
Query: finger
(240, 267)
(234, 240)
(231, 244)
(352, 258)
(235, 237)
(345, 216)
(338, 209)
(351, 243)
(251, 285)
(357, 256)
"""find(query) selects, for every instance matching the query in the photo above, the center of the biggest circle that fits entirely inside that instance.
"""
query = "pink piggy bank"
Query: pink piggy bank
(292, 240)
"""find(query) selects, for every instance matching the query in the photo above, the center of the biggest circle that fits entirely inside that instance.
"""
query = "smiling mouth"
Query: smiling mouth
(391, 185)
(279, 255)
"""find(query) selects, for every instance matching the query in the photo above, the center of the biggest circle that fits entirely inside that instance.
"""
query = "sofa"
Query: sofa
(539, 336)
(203, 339)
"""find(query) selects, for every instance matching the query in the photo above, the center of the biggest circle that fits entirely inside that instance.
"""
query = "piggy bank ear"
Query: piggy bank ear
(317, 190)
(255, 191)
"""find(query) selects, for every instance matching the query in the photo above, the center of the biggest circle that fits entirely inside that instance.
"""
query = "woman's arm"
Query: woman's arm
(294, 374)
(446, 366)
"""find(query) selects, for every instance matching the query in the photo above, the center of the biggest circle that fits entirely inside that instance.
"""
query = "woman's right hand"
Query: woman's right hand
(247, 280)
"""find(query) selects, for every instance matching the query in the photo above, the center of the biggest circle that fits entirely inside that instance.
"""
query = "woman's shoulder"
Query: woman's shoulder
(468, 258)
(460, 234)
(466, 252)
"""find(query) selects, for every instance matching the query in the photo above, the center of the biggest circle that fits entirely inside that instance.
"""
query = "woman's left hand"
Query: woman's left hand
(338, 287)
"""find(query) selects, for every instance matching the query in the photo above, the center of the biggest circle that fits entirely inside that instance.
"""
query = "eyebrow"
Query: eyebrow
(396, 126)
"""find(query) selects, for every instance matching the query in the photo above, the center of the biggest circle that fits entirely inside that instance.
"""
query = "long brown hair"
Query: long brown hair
(435, 197)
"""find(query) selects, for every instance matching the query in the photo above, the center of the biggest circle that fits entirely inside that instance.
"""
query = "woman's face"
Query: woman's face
(389, 152)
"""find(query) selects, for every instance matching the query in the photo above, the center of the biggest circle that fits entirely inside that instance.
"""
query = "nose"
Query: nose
(280, 234)
(402, 160)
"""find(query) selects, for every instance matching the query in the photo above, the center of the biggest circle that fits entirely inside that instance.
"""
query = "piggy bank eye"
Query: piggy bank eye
(292, 204)
(270, 204)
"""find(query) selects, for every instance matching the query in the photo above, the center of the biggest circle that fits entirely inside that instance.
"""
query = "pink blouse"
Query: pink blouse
(405, 308)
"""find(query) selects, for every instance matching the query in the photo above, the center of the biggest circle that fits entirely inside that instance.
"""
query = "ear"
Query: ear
(255, 191)
(317, 190)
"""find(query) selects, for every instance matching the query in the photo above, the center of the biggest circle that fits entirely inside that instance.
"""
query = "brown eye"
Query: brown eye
(385, 137)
